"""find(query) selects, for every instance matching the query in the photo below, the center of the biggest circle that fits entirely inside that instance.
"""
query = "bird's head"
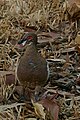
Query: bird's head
(27, 39)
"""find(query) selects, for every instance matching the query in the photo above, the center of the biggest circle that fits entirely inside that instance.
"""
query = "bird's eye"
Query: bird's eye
(29, 38)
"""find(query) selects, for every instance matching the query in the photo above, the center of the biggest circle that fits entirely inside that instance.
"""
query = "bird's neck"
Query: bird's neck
(32, 46)
(31, 49)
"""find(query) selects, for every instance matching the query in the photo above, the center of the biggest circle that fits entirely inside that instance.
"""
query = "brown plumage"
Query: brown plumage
(32, 68)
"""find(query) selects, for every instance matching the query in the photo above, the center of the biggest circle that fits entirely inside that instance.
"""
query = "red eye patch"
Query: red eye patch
(29, 37)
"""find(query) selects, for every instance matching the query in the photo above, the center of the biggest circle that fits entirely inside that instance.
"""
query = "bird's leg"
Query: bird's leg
(38, 92)
(23, 95)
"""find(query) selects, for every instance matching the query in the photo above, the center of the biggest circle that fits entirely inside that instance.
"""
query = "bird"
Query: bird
(32, 68)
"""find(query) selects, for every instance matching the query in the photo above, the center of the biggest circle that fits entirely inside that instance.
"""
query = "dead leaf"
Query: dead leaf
(10, 79)
(71, 2)
(39, 110)
(67, 58)
(43, 53)
(77, 39)
(57, 60)
(78, 49)
(30, 118)
(1, 98)
(78, 80)
(6, 72)
(2, 2)
(51, 106)
(73, 8)
(47, 37)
